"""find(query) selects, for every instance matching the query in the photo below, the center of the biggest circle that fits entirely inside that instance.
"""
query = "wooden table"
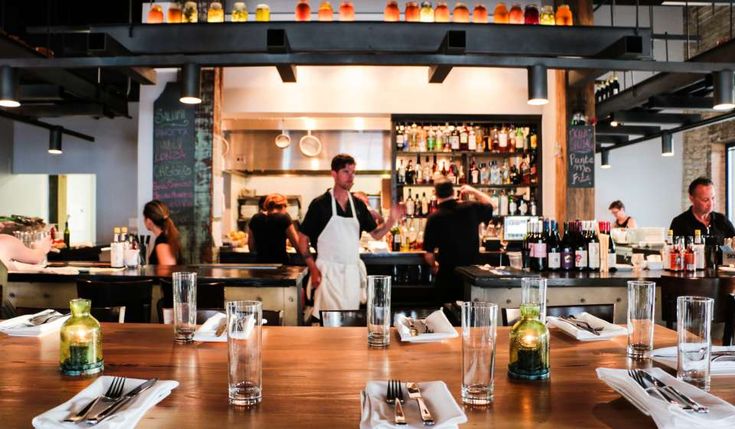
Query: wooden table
(312, 378)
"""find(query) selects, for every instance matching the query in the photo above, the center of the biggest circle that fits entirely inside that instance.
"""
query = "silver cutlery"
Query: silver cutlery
(221, 328)
(122, 401)
(412, 327)
(395, 396)
(581, 324)
(637, 376)
(114, 392)
(415, 393)
(675, 392)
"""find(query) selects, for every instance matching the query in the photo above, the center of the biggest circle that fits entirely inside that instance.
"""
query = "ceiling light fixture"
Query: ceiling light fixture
(723, 84)
(605, 159)
(614, 123)
(190, 84)
(667, 144)
(8, 87)
(537, 86)
(54, 140)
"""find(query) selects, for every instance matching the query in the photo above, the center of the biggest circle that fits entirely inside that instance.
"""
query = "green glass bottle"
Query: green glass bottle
(81, 341)
(529, 337)
(67, 234)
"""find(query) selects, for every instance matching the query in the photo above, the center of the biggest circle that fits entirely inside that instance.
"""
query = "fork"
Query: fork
(395, 396)
(114, 391)
(581, 324)
(636, 375)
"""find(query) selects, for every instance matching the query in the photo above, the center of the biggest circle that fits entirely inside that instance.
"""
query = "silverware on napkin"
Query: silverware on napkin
(415, 393)
(675, 392)
(221, 326)
(125, 399)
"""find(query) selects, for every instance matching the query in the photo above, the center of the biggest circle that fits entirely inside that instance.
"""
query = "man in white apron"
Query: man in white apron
(334, 223)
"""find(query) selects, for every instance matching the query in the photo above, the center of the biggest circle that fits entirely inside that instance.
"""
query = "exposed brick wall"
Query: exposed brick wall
(704, 148)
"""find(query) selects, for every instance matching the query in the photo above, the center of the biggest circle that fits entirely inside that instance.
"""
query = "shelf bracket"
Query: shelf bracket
(277, 42)
(454, 43)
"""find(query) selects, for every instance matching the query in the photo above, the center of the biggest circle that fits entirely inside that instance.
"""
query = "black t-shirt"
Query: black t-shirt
(269, 233)
(153, 258)
(719, 226)
(320, 211)
(453, 230)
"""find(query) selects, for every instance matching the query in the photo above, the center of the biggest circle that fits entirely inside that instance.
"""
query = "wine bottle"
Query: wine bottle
(580, 247)
(567, 248)
(553, 248)
(593, 248)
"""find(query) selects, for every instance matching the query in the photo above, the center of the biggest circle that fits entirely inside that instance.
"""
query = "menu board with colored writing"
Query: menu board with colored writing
(581, 157)
(174, 139)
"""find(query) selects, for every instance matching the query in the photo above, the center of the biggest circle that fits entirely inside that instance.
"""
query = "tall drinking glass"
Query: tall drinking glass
(693, 326)
(244, 338)
(185, 306)
(378, 311)
(534, 292)
(641, 301)
(479, 327)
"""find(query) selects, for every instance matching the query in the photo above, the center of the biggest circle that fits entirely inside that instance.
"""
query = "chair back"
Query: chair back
(135, 296)
(605, 312)
(273, 317)
(339, 318)
(109, 314)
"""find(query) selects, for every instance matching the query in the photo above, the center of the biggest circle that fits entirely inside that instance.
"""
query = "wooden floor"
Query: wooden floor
(312, 378)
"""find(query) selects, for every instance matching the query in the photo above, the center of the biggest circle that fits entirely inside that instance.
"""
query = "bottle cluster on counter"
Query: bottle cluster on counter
(124, 249)
(687, 253)
(579, 250)
(505, 138)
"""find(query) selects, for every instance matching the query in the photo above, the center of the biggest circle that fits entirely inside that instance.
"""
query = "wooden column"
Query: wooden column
(572, 203)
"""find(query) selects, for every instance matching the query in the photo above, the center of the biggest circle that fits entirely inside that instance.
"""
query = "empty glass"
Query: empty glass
(244, 358)
(479, 327)
(185, 306)
(641, 301)
(534, 292)
(378, 311)
(694, 323)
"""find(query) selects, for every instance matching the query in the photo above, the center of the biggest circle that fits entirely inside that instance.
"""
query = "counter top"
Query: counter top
(229, 274)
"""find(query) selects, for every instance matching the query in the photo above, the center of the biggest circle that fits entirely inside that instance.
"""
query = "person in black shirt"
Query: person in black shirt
(167, 248)
(451, 236)
(333, 224)
(701, 214)
(622, 220)
(267, 231)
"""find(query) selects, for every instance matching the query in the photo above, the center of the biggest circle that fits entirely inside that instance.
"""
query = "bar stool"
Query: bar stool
(605, 312)
(135, 296)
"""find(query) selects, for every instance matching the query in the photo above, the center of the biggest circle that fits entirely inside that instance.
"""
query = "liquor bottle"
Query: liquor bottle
(427, 171)
(553, 247)
(391, 12)
(522, 207)
(502, 139)
(567, 248)
(444, 171)
(479, 14)
(615, 85)
(454, 138)
(580, 248)
(67, 233)
(538, 249)
(452, 175)
(516, 15)
(505, 173)
(412, 11)
(432, 204)
(503, 204)
(303, 11)
(326, 13)
(463, 138)
(533, 209)
(500, 14)
(593, 248)
(495, 201)
(699, 249)
(424, 205)
(521, 144)
(494, 140)
(677, 256)
(419, 175)
(426, 13)
(484, 174)
(431, 140)
(401, 173)
(441, 13)
(396, 231)
(531, 15)
(472, 140)
(611, 254)
(690, 258)
(533, 140)
(474, 173)
(400, 138)
(461, 12)
(512, 206)
(346, 11)
(527, 244)
(410, 173)
(461, 177)
(410, 205)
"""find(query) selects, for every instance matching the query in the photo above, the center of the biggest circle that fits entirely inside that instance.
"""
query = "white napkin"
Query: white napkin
(16, 327)
(378, 414)
(127, 417)
(667, 356)
(21, 267)
(665, 415)
(436, 322)
(205, 333)
(609, 330)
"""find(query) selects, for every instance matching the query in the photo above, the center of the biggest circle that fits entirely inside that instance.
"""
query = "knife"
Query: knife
(122, 401)
(221, 328)
(415, 393)
(675, 392)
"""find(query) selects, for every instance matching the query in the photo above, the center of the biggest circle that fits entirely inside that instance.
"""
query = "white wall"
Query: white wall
(81, 207)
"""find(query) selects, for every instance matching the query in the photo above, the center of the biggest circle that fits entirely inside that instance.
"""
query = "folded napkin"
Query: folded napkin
(667, 356)
(18, 326)
(206, 332)
(21, 267)
(378, 414)
(609, 330)
(666, 416)
(128, 416)
(437, 322)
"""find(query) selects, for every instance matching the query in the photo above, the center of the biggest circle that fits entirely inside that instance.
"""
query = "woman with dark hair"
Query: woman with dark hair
(167, 247)
(622, 220)
(267, 232)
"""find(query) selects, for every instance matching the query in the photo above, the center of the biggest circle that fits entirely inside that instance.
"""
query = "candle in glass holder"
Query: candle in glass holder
(155, 14)
(215, 13)
(426, 13)
(531, 16)
(500, 14)
(326, 13)
(412, 11)
(479, 14)
(391, 13)
(303, 11)
(441, 13)
(80, 341)
(547, 15)
(190, 13)
(239, 12)
(515, 15)
(461, 12)
(173, 15)
(262, 13)
(564, 15)
(346, 11)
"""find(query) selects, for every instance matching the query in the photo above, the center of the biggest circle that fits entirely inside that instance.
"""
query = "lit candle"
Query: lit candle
(79, 347)
(529, 340)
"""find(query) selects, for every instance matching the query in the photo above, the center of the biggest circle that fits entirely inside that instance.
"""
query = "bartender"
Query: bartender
(701, 214)
(334, 222)
(450, 237)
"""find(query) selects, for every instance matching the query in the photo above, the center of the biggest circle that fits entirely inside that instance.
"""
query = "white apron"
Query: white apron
(343, 273)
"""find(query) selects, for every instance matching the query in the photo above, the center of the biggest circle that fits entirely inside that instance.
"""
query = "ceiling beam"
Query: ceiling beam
(62, 109)
(611, 139)
(680, 102)
(651, 117)
(625, 130)
(37, 123)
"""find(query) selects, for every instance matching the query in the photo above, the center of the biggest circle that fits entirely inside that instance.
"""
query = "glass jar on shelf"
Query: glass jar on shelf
(564, 15)
(479, 14)
(515, 15)
(347, 11)
(391, 12)
(190, 13)
(500, 14)
(441, 13)
(326, 12)
(547, 15)
(239, 12)
(412, 11)
(303, 11)
(262, 13)
(173, 14)
(531, 15)
(461, 12)
(155, 14)
(426, 13)
(215, 13)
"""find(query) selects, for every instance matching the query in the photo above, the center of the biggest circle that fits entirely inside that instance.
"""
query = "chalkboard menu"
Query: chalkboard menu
(581, 157)
(174, 140)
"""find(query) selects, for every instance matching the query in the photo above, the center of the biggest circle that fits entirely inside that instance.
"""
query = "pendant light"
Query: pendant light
(190, 84)
(54, 141)
(537, 86)
(667, 144)
(8, 87)
(723, 85)
(605, 159)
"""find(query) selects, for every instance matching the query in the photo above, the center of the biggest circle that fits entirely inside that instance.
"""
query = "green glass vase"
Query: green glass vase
(529, 346)
(81, 341)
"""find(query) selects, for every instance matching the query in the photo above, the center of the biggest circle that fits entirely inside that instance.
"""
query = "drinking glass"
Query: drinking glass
(534, 292)
(185, 306)
(479, 327)
(693, 326)
(244, 338)
(641, 300)
(378, 311)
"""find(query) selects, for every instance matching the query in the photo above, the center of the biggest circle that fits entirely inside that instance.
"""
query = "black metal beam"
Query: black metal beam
(277, 42)
(100, 44)
(454, 43)
(624, 130)
(680, 102)
(287, 72)
(61, 109)
(37, 123)
(40, 91)
(611, 139)
(651, 117)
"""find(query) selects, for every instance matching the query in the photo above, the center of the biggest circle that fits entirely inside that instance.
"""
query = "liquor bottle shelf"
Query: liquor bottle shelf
(402, 153)
(429, 185)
